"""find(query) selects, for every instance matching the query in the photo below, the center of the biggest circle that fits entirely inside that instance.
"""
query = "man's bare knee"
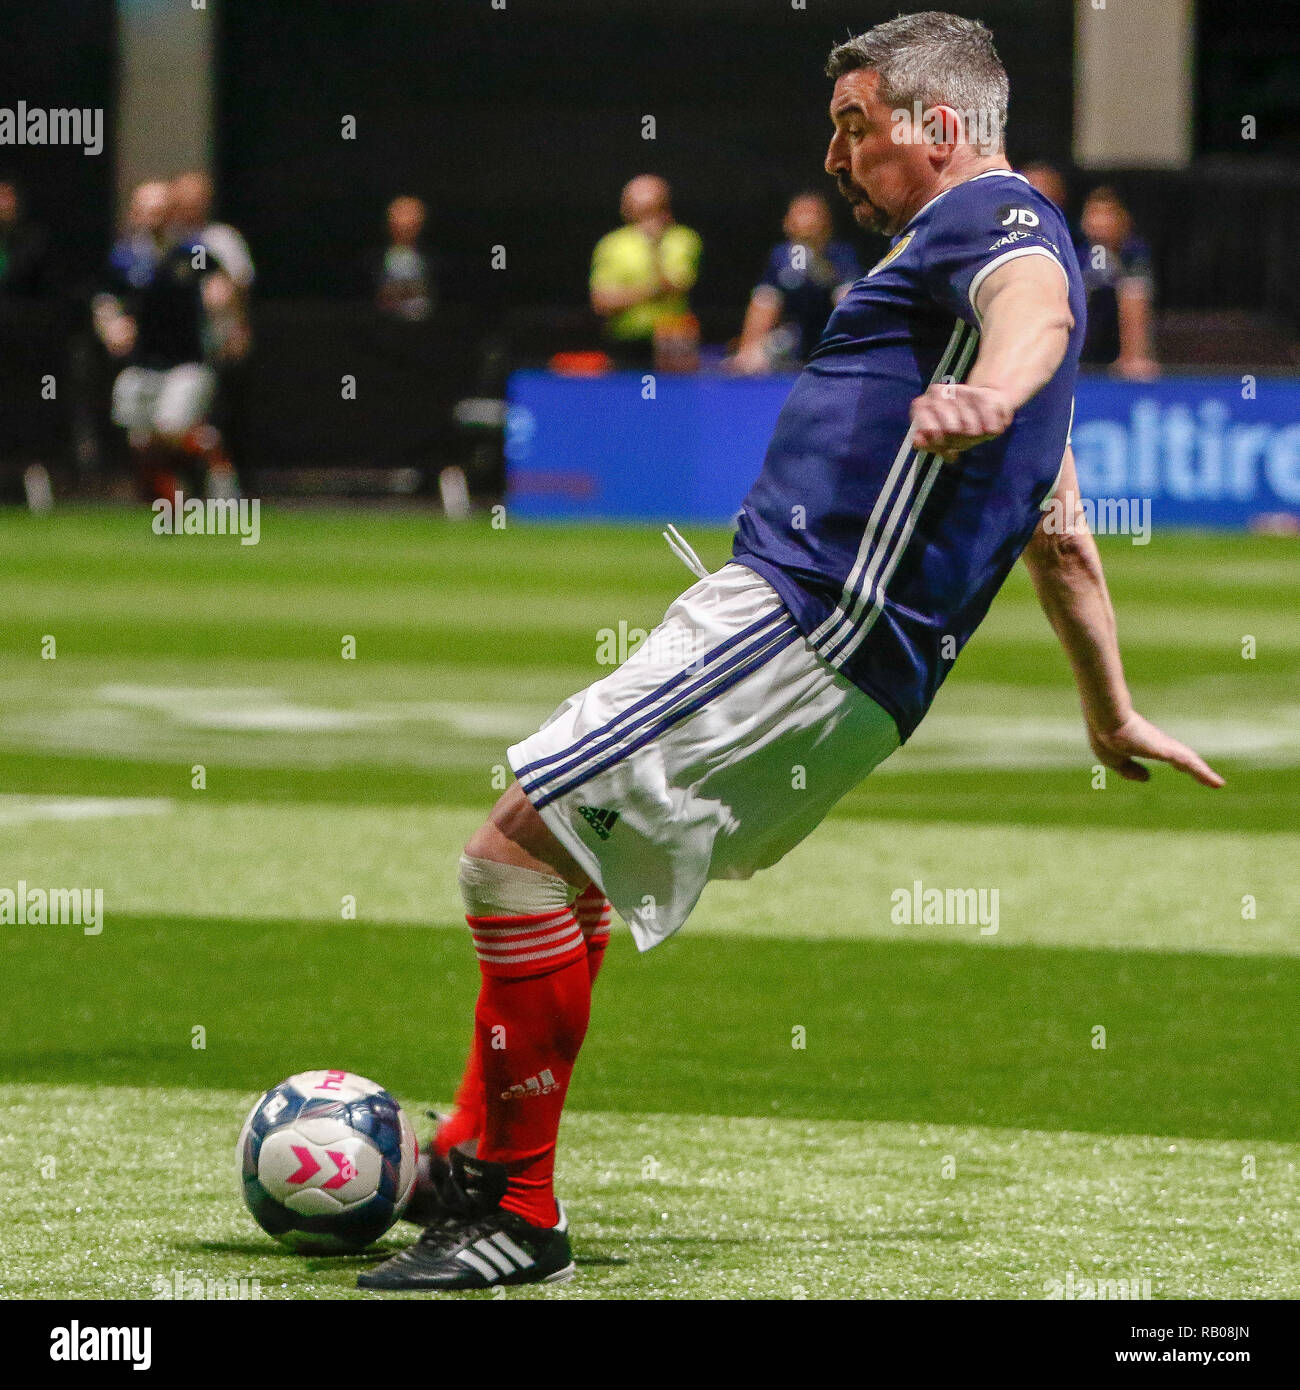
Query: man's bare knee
(515, 834)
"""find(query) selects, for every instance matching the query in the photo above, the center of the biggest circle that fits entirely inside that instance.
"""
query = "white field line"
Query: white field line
(123, 718)
(254, 709)
(20, 810)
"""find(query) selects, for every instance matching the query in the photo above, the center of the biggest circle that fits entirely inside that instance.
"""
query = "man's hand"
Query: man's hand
(1063, 562)
(747, 362)
(950, 418)
(1139, 738)
(1137, 368)
(119, 335)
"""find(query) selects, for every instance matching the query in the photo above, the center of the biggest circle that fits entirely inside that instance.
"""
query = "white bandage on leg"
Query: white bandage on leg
(490, 889)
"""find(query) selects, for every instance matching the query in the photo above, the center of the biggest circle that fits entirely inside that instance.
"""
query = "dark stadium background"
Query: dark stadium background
(523, 136)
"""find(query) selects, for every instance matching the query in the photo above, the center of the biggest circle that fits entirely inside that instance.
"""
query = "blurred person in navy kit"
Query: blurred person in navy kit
(152, 316)
(805, 278)
(229, 333)
(1117, 276)
(24, 248)
(30, 328)
(228, 328)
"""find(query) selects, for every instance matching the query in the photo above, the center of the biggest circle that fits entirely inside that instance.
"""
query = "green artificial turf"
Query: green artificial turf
(704, 1154)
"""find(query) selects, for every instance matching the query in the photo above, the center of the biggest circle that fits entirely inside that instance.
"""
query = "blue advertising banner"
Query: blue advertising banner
(1183, 451)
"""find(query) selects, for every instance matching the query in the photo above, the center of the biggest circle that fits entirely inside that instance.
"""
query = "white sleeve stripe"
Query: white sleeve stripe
(985, 271)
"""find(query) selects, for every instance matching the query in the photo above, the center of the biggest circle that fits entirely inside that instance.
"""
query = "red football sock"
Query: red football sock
(529, 1024)
(594, 913)
(155, 475)
(464, 1125)
(466, 1120)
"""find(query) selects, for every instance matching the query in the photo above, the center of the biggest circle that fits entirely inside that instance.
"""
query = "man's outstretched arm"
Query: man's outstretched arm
(1025, 323)
(1066, 570)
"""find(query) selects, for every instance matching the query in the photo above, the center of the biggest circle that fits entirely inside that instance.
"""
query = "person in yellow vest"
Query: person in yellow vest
(641, 274)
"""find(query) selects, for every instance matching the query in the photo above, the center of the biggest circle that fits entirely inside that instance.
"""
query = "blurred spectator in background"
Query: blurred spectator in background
(135, 254)
(404, 277)
(229, 329)
(1043, 175)
(191, 195)
(24, 249)
(805, 278)
(152, 317)
(1048, 180)
(642, 274)
(1117, 276)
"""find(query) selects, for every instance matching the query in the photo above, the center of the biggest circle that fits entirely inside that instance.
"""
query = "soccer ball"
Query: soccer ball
(327, 1161)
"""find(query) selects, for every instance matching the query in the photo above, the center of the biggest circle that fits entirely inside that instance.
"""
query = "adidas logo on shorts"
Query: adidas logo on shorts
(602, 822)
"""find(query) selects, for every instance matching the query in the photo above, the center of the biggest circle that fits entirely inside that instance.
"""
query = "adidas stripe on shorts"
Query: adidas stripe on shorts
(683, 764)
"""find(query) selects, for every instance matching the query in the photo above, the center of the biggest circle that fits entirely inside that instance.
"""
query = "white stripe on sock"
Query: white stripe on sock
(518, 957)
(507, 948)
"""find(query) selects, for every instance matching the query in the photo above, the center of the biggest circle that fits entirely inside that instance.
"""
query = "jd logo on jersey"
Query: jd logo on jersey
(1016, 217)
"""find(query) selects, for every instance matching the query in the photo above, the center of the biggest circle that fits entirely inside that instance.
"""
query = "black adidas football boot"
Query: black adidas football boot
(476, 1245)
(431, 1198)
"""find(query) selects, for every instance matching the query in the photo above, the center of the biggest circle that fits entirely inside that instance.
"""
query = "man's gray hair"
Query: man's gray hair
(936, 59)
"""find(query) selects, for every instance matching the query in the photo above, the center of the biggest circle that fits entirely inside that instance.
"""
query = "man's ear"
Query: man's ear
(942, 126)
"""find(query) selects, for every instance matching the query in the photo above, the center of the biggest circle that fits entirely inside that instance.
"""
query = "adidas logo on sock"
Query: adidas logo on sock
(602, 822)
(540, 1085)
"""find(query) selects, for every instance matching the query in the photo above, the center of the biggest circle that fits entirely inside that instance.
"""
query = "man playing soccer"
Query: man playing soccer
(910, 466)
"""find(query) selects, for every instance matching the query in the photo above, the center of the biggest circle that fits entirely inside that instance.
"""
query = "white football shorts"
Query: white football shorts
(709, 753)
(146, 401)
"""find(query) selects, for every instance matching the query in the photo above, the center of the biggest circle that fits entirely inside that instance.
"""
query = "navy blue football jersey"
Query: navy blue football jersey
(888, 558)
(807, 284)
(164, 295)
